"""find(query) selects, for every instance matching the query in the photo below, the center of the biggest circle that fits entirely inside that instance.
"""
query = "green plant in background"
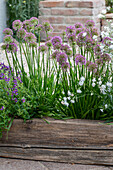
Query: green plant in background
(21, 9)
(109, 5)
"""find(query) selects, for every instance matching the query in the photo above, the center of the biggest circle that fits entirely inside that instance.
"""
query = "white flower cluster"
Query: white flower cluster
(67, 100)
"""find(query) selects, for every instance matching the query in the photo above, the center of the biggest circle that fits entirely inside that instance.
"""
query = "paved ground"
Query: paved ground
(14, 164)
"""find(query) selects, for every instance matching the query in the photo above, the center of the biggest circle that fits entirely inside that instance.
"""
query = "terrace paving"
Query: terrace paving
(17, 164)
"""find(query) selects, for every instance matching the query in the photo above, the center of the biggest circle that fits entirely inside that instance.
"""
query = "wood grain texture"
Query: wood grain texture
(73, 141)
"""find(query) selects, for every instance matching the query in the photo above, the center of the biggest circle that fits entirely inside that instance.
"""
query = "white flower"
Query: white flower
(65, 98)
(81, 83)
(91, 94)
(66, 104)
(84, 34)
(93, 84)
(63, 92)
(79, 91)
(72, 101)
(103, 86)
(109, 84)
(69, 93)
(101, 16)
(111, 47)
(94, 80)
(68, 98)
(106, 106)
(111, 25)
(100, 82)
(95, 37)
(82, 78)
(104, 11)
(101, 110)
(108, 8)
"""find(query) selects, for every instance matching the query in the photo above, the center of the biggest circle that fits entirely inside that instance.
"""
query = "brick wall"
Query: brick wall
(62, 13)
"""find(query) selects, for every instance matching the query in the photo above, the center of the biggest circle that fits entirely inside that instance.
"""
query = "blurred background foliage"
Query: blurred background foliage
(109, 4)
(21, 9)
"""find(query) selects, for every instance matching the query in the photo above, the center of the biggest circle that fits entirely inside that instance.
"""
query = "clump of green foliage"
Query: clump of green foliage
(109, 4)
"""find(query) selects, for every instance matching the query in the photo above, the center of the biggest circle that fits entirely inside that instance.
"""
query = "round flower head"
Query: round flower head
(8, 39)
(81, 39)
(38, 28)
(61, 57)
(48, 44)
(43, 48)
(79, 25)
(92, 67)
(4, 46)
(57, 46)
(63, 33)
(47, 27)
(89, 24)
(99, 61)
(2, 108)
(7, 31)
(17, 24)
(70, 30)
(12, 47)
(88, 63)
(33, 44)
(79, 59)
(106, 41)
(89, 42)
(94, 31)
(65, 66)
(55, 54)
(105, 57)
(49, 38)
(64, 47)
(97, 50)
(72, 38)
(21, 33)
(30, 37)
(56, 39)
(28, 26)
(78, 30)
(34, 21)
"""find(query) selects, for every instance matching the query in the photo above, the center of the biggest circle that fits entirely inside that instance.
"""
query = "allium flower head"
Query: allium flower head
(12, 47)
(94, 31)
(61, 58)
(57, 46)
(8, 39)
(17, 24)
(89, 24)
(70, 30)
(93, 67)
(43, 48)
(21, 33)
(99, 61)
(65, 66)
(79, 59)
(97, 50)
(56, 39)
(81, 39)
(72, 38)
(78, 30)
(47, 27)
(38, 28)
(33, 44)
(106, 41)
(34, 21)
(48, 38)
(27, 25)
(79, 25)
(105, 57)
(7, 31)
(55, 54)
(4, 46)
(66, 49)
(48, 43)
(30, 37)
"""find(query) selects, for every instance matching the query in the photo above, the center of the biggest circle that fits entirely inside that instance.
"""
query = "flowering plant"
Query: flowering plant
(70, 80)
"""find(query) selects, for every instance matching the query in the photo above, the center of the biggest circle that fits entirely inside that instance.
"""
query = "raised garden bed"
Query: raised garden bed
(71, 141)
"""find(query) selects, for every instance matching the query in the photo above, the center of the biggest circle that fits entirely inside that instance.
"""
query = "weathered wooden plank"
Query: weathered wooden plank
(91, 157)
(60, 134)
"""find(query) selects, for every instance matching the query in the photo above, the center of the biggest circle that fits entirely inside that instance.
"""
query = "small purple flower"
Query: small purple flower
(94, 31)
(48, 43)
(43, 48)
(47, 27)
(81, 39)
(48, 38)
(55, 54)
(21, 33)
(97, 50)
(71, 38)
(27, 25)
(17, 24)
(15, 100)
(78, 25)
(105, 57)
(8, 39)
(99, 61)
(78, 30)
(2, 108)
(38, 28)
(23, 100)
(89, 24)
(61, 57)
(12, 47)
(30, 37)
(33, 44)
(79, 59)
(93, 67)
(34, 21)
(70, 30)
(65, 66)
(57, 46)
(107, 41)
(56, 39)
(7, 31)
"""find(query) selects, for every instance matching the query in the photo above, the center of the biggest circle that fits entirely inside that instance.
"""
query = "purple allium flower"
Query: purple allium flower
(55, 54)
(23, 100)
(105, 57)
(30, 37)
(63, 33)
(79, 59)
(4, 46)
(78, 30)
(71, 38)
(12, 47)
(33, 44)
(21, 33)
(93, 67)
(8, 39)
(61, 57)
(66, 49)
(81, 39)
(47, 27)
(17, 24)
(97, 50)
(27, 25)
(48, 43)
(56, 39)
(65, 66)
(7, 31)
(99, 61)
(79, 25)
(89, 42)
(38, 28)
(49, 38)
(107, 41)
(57, 46)
(34, 21)
(43, 48)
(94, 31)
(89, 24)
(2, 108)
(70, 30)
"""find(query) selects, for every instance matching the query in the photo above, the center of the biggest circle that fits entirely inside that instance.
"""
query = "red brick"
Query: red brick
(59, 28)
(44, 11)
(50, 4)
(54, 34)
(52, 19)
(65, 12)
(73, 20)
(86, 12)
(78, 4)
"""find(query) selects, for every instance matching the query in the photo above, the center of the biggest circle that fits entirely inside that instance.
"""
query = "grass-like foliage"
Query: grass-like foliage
(71, 79)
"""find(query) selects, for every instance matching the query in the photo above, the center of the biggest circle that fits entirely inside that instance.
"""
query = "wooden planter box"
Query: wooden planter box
(70, 141)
